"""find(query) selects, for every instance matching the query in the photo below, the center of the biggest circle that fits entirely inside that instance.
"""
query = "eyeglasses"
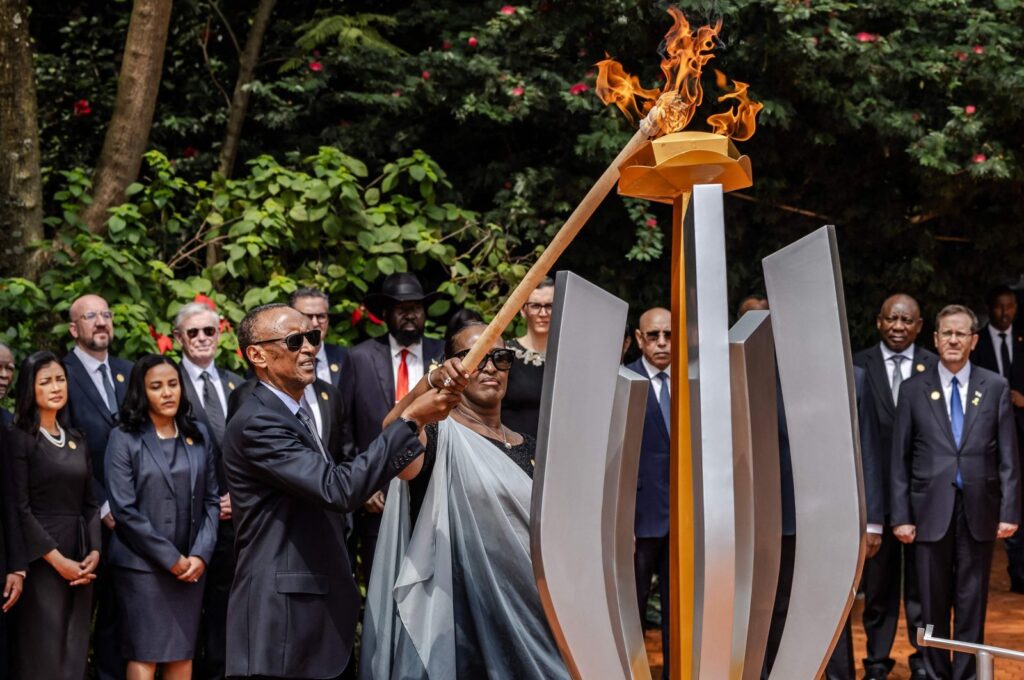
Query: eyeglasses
(501, 358)
(897, 318)
(949, 335)
(294, 341)
(208, 331)
(92, 316)
(652, 336)
(538, 308)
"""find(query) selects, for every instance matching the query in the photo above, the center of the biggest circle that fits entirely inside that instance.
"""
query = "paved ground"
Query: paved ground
(1004, 627)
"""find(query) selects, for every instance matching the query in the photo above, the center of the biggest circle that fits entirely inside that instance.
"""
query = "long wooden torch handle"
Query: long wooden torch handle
(547, 259)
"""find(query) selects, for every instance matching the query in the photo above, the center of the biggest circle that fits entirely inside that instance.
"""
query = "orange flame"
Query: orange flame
(685, 54)
(739, 122)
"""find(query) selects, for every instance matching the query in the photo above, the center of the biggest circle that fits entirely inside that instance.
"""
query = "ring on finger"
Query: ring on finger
(447, 381)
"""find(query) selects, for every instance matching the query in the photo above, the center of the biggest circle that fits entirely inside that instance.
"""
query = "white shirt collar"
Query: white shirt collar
(194, 372)
(287, 399)
(889, 354)
(321, 353)
(415, 349)
(998, 341)
(653, 370)
(91, 363)
(963, 376)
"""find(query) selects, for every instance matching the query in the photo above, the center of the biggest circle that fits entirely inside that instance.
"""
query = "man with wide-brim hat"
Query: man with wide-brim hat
(381, 371)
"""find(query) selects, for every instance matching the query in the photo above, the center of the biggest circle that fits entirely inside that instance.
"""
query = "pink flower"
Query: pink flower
(508, 10)
(979, 158)
(590, 74)
(189, 152)
(426, 75)
(960, 56)
(978, 49)
(517, 91)
(81, 108)
(651, 223)
(473, 42)
(446, 45)
(969, 110)
(579, 88)
(316, 66)
(866, 37)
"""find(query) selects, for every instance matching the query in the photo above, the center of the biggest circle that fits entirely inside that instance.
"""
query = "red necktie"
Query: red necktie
(402, 384)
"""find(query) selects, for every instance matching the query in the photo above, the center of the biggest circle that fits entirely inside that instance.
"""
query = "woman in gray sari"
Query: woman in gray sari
(452, 593)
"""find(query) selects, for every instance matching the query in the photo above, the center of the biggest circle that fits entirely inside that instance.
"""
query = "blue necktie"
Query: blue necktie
(956, 420)
(664, 400)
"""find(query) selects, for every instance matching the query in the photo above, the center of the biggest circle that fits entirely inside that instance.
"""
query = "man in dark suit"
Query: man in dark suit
(651, 525)
(895, 359)
(97, 383)
(331, 360)
(294, 604)
(381, 371)
(1001, 350)
(208, 387)
(6, 378)
(955, 485)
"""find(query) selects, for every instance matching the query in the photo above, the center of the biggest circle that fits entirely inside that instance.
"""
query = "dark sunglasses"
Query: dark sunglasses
(652, 336)
(294, 341)
(208, 331)
(501, 358)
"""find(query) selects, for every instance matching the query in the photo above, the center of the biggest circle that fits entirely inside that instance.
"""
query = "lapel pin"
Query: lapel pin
(334, 368)
(920, 368)
(323, 395)
(72, 445)
(231, 385)
(936, 395)
(120, 378)
(188, 440)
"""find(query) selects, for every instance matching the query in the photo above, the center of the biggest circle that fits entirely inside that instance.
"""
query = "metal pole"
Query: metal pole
(986, 666)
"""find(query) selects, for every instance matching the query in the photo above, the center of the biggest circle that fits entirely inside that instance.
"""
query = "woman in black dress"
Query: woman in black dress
(520, 409)
(163, 494)
(52, 474)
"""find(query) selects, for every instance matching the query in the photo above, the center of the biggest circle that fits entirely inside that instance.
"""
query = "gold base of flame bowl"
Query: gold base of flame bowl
(672, 164)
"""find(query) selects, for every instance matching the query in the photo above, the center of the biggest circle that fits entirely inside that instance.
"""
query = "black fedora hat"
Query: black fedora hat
(399, 287)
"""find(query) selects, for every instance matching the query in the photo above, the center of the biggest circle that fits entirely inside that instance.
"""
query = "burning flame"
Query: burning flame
(685, 53)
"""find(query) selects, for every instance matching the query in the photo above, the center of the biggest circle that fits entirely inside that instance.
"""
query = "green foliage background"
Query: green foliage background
(453, 138)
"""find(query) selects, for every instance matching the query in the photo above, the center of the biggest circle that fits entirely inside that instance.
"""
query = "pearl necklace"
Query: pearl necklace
(173, 436)
(485, 425)
(57, 441)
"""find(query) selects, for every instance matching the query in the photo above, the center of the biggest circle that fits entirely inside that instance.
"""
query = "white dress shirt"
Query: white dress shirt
(314, 407)
(905, 366)
(946, 378)
(92, 367)
(653, 371)
(413, 361)
(323, 370)
(195, 374)
(997, 344)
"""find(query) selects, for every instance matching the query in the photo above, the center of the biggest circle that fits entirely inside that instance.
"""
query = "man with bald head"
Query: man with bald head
(97, 384)
(654, 338)
(889, 363)
(293, 606)
(6, 378)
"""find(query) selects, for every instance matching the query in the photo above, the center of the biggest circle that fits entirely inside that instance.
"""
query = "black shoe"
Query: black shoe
(875, 675)
(918, 674)
(1017, 587)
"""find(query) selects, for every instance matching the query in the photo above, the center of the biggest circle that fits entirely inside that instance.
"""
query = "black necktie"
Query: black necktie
(307, 420)
(1004, 354)
(109, 388)
(214, 409)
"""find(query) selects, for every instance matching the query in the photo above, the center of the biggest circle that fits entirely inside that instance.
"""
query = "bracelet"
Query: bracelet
(429, 381)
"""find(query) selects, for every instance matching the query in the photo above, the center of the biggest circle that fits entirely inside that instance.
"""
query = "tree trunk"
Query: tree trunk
(240, 100)
(137, 88)
(21, 205)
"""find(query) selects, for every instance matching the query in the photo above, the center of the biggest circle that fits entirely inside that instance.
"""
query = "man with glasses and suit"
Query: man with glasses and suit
(96, 387)
(955, 485)
(331, 360)
(654, 338)
(207, 386)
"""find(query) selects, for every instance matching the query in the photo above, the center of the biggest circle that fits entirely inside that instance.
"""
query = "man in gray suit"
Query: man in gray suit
(294, 604)
(208, 387)
(955, 485)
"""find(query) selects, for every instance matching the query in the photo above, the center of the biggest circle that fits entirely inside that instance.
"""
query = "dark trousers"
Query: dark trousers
(106, 640)
(884, 574)
(1015, 561)
(953, 575)
(652, 557)
(210, 660)
(781, 607)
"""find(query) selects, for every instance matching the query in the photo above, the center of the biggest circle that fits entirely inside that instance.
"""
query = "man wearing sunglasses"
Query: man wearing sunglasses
(294, 603)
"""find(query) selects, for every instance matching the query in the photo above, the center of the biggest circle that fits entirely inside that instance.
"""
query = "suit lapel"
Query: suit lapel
(385, 375)
(151, 444)
(193, 398)
(273, 403)
(933, 387)
(975, 392)
(653, 405)
(84, 383)
(879, 380)
(120, 378)
(193, 453)
(323, 403)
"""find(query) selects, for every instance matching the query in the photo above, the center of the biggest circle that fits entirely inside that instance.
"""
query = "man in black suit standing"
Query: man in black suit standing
(207, 386)
(955, 485)
(1001, 350)
(97, 383)
(331, 360)
(890, 567)
(381, 371)
(6, 379)
(294, 604)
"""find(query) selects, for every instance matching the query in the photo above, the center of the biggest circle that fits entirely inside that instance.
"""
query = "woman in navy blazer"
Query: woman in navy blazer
(162, 487)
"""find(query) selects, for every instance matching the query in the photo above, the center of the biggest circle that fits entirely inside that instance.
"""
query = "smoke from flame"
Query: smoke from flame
(685, 53)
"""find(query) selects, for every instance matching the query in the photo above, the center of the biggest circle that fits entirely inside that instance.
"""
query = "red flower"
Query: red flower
(960, 56)
(517, 91)
(202, 299)
(866, 37)
(359, 312)
(426, 75)
(969, 110)
(163, 343)
(579, 88)
(357, 315)
(81, 108)
(652, 223)
(473, 42)
(979, 158)
(508, 10)
(373, 319)
(978, 49)
(189, 152)
(316, 66)
(446, 45)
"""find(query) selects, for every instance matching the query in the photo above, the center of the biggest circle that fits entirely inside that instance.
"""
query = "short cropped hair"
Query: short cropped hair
(247, 329)
(189, 310)
(305, 293)
(996, 292)
(950, 310)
